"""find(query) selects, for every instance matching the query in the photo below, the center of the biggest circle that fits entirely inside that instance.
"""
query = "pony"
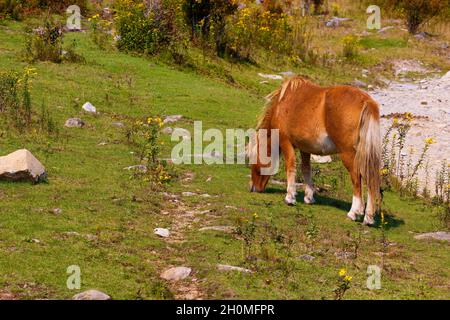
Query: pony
(318, 120)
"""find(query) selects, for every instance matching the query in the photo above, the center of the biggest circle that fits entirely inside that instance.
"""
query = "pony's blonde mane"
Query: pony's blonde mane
(275, 97)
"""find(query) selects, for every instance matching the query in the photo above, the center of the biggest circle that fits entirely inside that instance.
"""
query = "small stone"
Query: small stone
(359, 83)
(165, 233)
(270, 76)
(440, 235)
(173, 118)
(344, 255)
(225, 267)
(139, 167)
(176, 274)
(57, 211)
(188, 194)
(321, 159)
(21, 165)
(88, 107)
(91, 295)
(74, 123)
(118, 124)
(424, 103)
(167, 130)
(226, 229)
(307, 257)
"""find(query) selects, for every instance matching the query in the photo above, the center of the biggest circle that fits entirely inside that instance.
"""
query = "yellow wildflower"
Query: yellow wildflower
(342, 272)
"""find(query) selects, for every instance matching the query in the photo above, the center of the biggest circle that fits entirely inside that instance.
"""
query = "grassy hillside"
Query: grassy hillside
(107, 216)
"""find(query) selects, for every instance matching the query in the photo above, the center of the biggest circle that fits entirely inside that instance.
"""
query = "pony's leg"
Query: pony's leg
(289, 159)
(370, 212)
(357, 208)
(307, 175)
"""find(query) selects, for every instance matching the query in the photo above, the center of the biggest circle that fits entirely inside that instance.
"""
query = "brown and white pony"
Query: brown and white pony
(323, 120)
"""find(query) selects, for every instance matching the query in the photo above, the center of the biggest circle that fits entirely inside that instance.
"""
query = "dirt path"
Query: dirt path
(429, 101)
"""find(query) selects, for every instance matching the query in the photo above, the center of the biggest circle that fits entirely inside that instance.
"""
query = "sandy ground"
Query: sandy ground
(429, 100)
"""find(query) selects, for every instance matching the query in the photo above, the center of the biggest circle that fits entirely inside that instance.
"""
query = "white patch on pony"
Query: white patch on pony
(357, 208)
(326, 146)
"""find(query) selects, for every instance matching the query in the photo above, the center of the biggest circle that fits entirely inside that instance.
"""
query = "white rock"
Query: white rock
(226, 229)
(91, 295)
(176, 274)
(440, 235)
(225, 267)
(270, 76)
(74, 123)
(173, 118)
(88, 107)
(321, 159)
(167, 130)
(165, 233)
(188, 194)
(139, 167)
(21, 165)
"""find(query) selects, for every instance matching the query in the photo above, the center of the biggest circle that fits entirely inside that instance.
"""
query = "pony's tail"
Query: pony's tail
(368, 151)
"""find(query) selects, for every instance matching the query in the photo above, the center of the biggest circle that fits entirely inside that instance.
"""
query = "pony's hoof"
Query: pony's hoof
(352, 215)
(368, 221)
(309, 200)
(290, 200)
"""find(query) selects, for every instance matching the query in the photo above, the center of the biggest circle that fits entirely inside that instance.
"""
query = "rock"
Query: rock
(176, 274)
(321, 159)
(422, 35)
(165, 233)
(287, 74)
(345, 255)
(440, 235)
(270, 76)
(21, 165)
(167, 130)
(383, 30)
(74, 123)
(335, 22)
(226, 229)
(225, 267)
(91, 295)
(118, 124)
(139, 167)
(188, 194)
(172, 118)
(359, 83)
(57, 211)
(307, 257)
(424, 103)
(88, 107)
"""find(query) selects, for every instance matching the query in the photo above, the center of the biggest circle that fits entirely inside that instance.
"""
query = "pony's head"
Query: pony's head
(260, 167)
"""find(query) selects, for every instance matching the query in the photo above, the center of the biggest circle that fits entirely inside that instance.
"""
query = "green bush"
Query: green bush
(208, 18)
(46, 44)
(11, 9)
(143, 30)
(417, 12)
(15, 98)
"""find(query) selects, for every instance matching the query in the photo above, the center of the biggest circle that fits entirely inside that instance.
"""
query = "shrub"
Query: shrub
(417, 12)
(46, 44)
(350, 47)
(145, 30)
(11, 9)
(15, 98)
(209, 18)
(55, 6)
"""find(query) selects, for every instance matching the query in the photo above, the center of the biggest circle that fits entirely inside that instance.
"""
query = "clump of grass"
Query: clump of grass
(350, 49)
(45, 43)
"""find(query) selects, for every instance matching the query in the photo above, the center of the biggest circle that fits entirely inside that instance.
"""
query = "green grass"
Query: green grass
(115, 214)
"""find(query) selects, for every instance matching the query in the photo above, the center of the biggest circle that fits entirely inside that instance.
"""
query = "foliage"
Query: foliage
(350, 47)
(145, 30)
(46, 44)
(208, 18)
(418, 12)
(11, 9)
